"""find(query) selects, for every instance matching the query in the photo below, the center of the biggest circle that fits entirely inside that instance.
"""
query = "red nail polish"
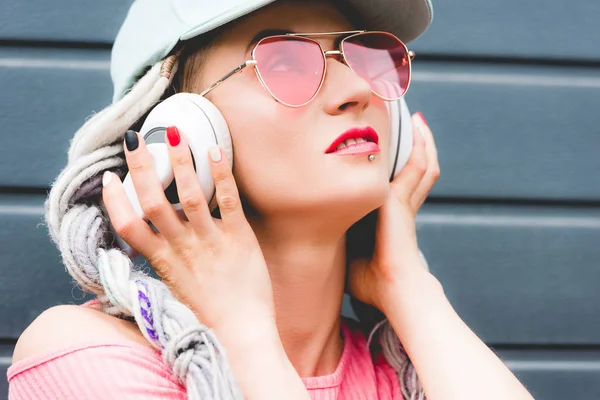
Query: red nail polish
(423, 118)
(173, 136)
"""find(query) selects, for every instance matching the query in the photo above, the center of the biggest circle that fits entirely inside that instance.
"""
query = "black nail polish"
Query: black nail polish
(131, 140)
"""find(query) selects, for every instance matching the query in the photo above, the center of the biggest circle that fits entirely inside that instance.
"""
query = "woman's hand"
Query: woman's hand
(396, 250)
(215, 266)
(450, 360)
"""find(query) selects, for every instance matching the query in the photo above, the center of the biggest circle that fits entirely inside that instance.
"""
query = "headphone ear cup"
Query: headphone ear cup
(401, 136)
(202, 125)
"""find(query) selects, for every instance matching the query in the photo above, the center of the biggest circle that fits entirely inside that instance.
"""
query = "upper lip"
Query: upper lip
(367, 133)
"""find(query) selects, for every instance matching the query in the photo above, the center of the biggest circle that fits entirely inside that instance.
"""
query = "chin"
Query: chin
(345, 202)
(346, 194)
(368, 196)
(353, 199)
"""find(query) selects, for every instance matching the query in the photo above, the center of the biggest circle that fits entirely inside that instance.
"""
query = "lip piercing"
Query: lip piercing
(371, 157)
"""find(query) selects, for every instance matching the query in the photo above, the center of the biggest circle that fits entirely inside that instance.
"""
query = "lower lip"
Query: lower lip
(358, 149)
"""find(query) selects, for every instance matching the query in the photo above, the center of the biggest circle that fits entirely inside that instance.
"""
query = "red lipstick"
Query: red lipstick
(368, 142)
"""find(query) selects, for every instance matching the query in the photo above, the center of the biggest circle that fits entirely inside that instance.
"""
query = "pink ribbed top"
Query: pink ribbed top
(129, 370)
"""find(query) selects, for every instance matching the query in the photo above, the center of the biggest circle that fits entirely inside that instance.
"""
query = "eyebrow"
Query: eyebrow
(266, 33)
(276, 32)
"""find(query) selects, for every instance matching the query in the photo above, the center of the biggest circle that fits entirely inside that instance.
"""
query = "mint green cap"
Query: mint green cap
(152, 28)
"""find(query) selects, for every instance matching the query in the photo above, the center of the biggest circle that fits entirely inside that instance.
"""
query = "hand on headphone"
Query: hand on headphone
(397, 257)
(215, 266)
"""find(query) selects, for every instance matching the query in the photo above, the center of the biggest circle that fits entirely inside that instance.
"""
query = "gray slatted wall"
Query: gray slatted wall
(512, 229)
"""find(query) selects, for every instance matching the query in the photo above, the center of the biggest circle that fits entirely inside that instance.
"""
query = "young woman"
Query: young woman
(252, 301)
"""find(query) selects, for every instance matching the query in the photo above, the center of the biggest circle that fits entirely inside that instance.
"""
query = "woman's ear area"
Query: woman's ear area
(199, 54)
(191, 60)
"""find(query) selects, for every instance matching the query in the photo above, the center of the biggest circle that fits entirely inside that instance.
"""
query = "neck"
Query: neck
(307, 273)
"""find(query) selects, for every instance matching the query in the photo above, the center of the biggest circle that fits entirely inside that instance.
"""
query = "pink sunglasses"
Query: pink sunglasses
(292, 67)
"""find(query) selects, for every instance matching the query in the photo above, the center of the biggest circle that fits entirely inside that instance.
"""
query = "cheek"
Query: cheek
(266, 145)
(380, 118)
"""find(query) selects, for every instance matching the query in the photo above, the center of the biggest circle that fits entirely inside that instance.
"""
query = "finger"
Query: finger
(409, 178)
(228, 198)
(126, 223)
(432, 173)
(190, 192)
(149, 189)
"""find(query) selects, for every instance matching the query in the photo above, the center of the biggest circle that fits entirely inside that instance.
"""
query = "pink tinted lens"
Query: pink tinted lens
(291, 68)
(382, 60)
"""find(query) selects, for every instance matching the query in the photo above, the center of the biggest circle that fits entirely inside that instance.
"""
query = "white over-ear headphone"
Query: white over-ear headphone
(204, 126)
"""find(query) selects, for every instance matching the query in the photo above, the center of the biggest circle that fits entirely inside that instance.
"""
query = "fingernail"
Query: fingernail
(106, 178)
(131, 140)
(173, 136)
(215, 153)
(422, 118)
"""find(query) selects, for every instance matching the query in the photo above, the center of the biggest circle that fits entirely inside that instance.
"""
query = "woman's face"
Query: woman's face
(281, 165)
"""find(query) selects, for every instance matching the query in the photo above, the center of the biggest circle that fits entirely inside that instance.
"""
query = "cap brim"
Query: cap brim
(407, 19)
(224, 18)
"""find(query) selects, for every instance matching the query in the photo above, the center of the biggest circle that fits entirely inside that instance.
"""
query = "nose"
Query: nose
(343, 90)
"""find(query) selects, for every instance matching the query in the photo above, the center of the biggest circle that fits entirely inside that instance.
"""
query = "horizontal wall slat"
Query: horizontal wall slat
(33, 277)
(518, 274)
(510, 132)
(552, 29)
(6, 351)
(503, 132)
(556, 375)
(3, 382)
(63, 20)
(50, 93)
(537, 28)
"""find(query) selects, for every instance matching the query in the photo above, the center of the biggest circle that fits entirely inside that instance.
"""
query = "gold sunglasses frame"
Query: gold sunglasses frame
(328, 53)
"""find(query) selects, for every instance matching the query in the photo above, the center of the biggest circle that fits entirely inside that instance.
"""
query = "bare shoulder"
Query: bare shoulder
(69, 325)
